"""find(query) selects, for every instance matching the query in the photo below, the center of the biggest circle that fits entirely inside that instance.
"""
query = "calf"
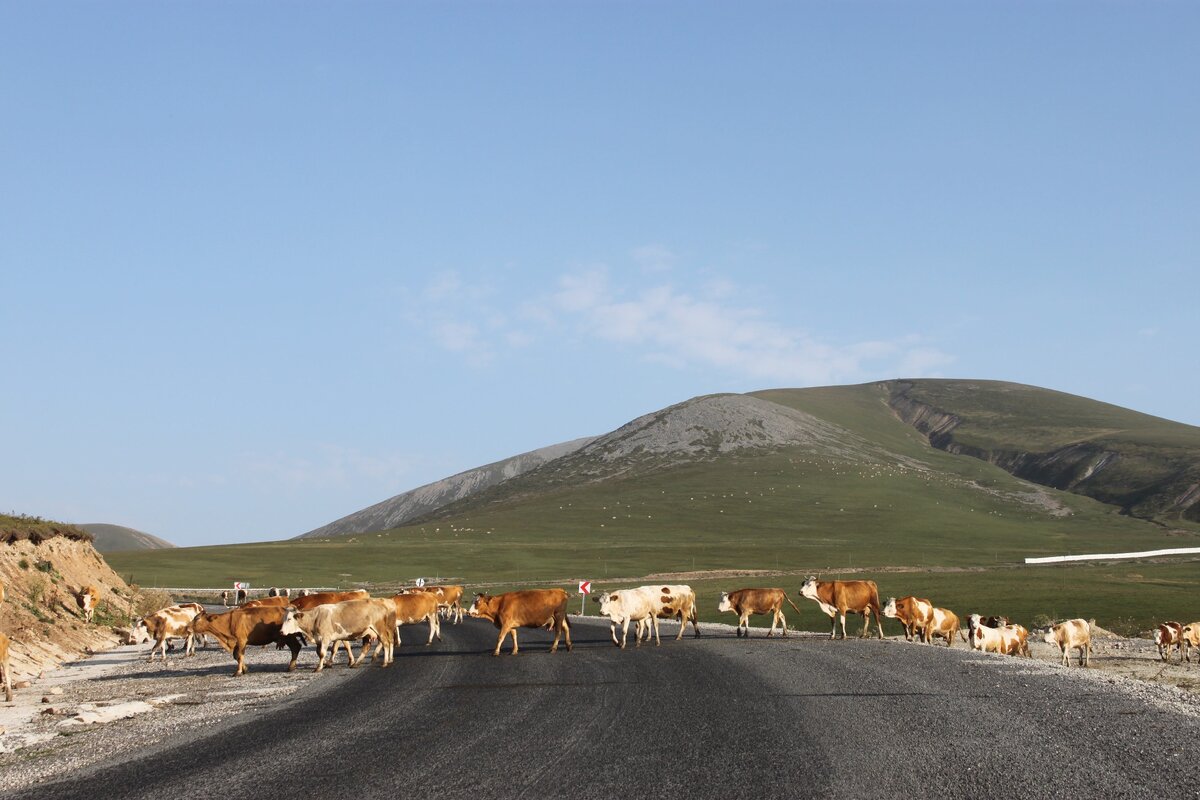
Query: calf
(1016, 640)
(944, 623)
(1166, 636)
(914, 613)
(747, 602)
(840, 597)
(531, 608)
(1069, 635)
(5, 669)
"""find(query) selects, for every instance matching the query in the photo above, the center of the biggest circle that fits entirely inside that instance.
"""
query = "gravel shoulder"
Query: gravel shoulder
(114, 703)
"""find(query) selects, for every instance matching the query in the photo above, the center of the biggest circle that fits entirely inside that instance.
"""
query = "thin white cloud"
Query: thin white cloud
(678, 328)
(703, 329)
(654, 257)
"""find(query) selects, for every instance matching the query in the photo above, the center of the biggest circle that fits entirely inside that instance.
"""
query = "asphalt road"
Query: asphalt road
(716, 717)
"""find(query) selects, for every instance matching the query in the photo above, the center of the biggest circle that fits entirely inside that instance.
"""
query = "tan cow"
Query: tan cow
(414, 608)
(240, 628)
(1189, 637)
(914, 613)
(166, 623)
(530, 608)
(1168, 635)
(86, 598)
(278, 601)
(840, 597)
(1069, 635)
(349, 620)
(747, 602)
(449, 600)
(5, 669)
(944, 623)
(675, 601)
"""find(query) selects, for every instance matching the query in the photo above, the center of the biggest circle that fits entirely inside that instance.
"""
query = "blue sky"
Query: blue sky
(265, 264)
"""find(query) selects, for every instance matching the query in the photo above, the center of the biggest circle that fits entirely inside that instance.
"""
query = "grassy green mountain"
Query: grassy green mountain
(112, 538)
(829, 480)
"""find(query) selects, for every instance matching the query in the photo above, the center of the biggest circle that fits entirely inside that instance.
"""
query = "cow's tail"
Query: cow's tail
(790, 603)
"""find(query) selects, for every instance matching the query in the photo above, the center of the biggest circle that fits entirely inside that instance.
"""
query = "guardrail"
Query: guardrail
(1175, 551)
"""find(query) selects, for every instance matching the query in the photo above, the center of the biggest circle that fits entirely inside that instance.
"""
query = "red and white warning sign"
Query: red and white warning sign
(585, 587)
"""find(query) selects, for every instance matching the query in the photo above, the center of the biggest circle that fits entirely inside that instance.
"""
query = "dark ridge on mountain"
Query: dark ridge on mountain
(405, 507)
(1147, 466)
(115, 538)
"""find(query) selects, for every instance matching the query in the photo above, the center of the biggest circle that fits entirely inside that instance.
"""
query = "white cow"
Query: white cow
(628, 605)
(1069, 635)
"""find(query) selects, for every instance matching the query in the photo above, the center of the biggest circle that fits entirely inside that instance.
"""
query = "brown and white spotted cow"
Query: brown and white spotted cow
(86, 598)
(837, 598)
(944, 624)
(747, 602)
(914, 613)
(1168, 635)
(530, 608)
(167, 623)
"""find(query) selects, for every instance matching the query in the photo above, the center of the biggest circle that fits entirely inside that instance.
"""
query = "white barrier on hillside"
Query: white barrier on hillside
(1176, 551)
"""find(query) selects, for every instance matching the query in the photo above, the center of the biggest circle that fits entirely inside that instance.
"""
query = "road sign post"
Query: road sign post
(585, 588)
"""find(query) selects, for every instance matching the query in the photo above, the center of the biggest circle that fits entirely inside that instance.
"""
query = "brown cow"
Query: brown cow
(242, 627)
(321, 598)
(1016, 640)
(530, 608)
(745, 602)
(277, 601)
(945, 624)
(86, 598)
(914, 613)
(1168, 635)
(836, 598)
(418, 607)
(5, 669)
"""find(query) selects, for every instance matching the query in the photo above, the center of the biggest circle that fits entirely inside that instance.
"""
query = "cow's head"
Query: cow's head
(481, 607)
(606, 601)
(140, 633)
(724, 604)
(889, 608)
(1050, 636)
(809, 589)
(291, 621)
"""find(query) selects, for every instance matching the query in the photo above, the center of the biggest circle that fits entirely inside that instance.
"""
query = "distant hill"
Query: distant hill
(398, 510)
(114, 538)
(1145, 466)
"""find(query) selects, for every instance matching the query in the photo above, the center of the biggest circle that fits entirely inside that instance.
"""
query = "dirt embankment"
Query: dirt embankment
(39, 612)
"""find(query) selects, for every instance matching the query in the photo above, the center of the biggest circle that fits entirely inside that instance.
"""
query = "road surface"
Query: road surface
(715, 717)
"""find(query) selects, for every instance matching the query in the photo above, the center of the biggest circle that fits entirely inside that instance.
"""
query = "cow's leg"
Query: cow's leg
(842, 618)
(566, 629)
(294, 645)
(654, 622)
(1085, 654)
(612, 630)
(239, 652)
(500, 641)
(624, 634)
(744, 625)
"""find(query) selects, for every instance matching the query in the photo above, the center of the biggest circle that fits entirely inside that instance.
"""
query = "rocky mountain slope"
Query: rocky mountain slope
(401, 509)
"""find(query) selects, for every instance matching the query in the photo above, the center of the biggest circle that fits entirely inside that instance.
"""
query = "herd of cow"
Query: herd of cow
(333, 619)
